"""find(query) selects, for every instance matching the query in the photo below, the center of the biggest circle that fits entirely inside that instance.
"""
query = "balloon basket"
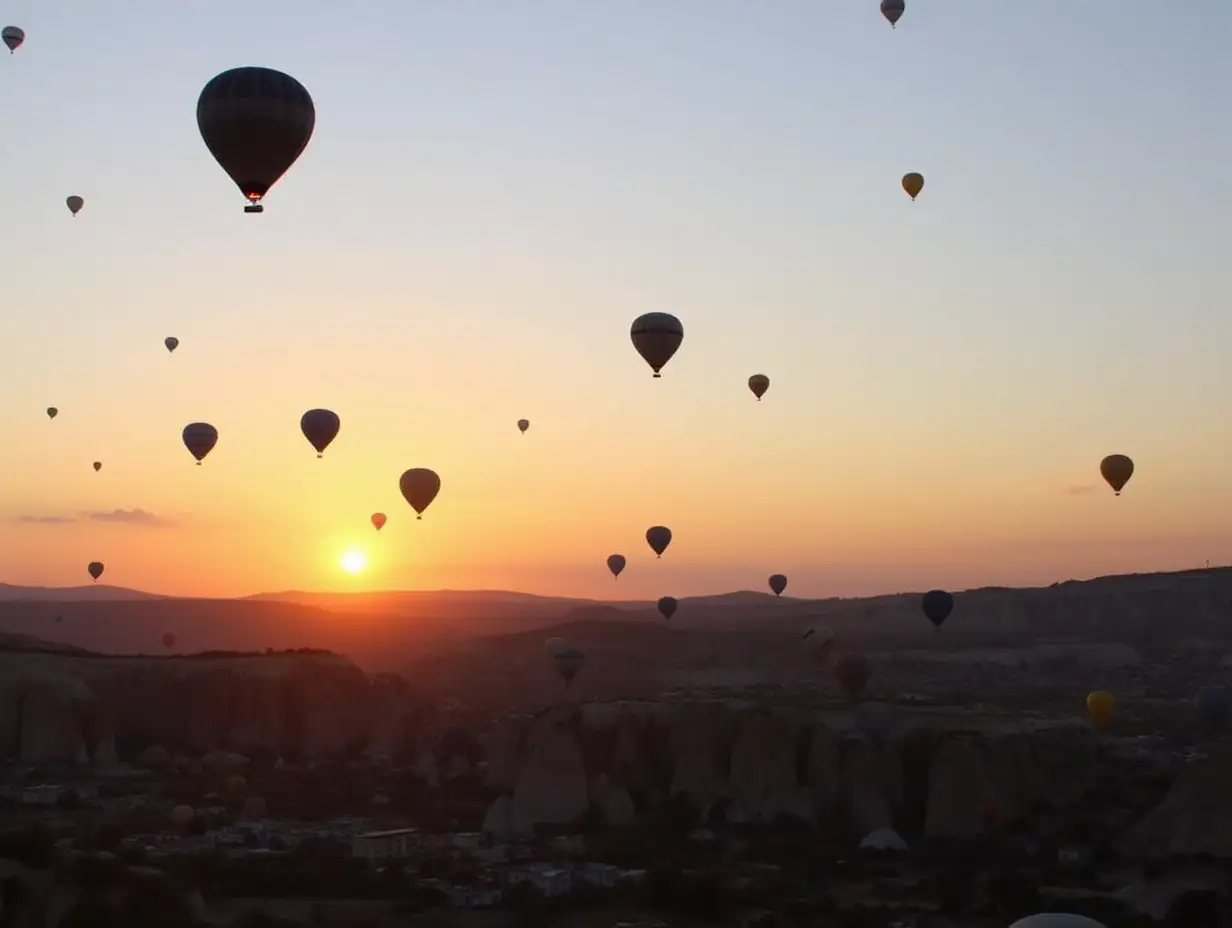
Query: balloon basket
(254, 208)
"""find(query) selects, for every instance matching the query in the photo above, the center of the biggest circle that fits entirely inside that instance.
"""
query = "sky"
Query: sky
(493, 192)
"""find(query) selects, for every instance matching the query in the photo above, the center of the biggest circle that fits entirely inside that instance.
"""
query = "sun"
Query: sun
(353, 562)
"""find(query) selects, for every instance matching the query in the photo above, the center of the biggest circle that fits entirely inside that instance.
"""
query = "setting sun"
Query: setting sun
(353, 562)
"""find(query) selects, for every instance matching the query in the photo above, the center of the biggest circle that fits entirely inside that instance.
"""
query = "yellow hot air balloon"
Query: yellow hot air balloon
(913, 183)
(1100, 706)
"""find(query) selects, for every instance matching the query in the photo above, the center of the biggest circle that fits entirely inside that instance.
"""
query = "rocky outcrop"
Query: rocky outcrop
(57, 708)
(758, 766)
(1196, 816)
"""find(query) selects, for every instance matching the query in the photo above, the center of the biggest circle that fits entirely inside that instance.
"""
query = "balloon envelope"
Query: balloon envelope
(819, 642)
(13, 37)
(378, 519)
(937, 605)
(75, 203)
(759, 384)
(200, 439)
(1100, 706)
(853, 672)
(169, 640)
(1057, 920)
(98, 465)
(320, 427)
(255, 122)
(615, 563)
(419, 487)
(171, 342)
(913, 183)
(893, 10)
(656, 336)
(667, 606)
(658, 537)
(1116, 469)
(95, 568)
(568, 661)
(52, 412)
(778, 583)
(523, 425)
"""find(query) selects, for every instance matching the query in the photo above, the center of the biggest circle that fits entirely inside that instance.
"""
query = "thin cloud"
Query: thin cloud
(130, 517)
(1081, 489)
(45, 520)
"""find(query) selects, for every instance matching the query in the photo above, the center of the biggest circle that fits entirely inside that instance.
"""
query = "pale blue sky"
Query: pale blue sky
(496, 188)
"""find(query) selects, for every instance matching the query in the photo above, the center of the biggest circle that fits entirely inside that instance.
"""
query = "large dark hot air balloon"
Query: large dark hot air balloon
(256, 122)
(853, 672)
(95, 568)
(778, 583)
(200, 439)
(419, 487)
(893, 10)
(658, 537)
(98, 465)
(656, 336)
(1116, 469)
(759, 384)
(171, 343)
(615, 563)
(937, 604)
(667, 607)
(320, 427)
(52, 412)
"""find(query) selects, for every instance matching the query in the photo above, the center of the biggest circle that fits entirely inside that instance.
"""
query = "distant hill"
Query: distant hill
(95, 592)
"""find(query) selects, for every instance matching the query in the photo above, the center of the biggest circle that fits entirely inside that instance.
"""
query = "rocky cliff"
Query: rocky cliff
(950, 777)
(95, 709)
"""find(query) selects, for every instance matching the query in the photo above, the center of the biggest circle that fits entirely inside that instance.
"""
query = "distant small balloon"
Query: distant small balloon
(658, 537)
(199, 438)
(95, 568)
(819, 642)
(778, 583)
(937, 605)
(320, 427)
(98, 465)
(419, 487)
(52, 412)
(171, 342)
(523, 425)
(667, 607)
(853, 672)
(13, 36)
(75, 203)
(1100, 706)
(615, 563)
(1116, 469)
(568, 661)
(169, 640)
(913, 183)
(759, 384)
(378, 519)
(893, 10)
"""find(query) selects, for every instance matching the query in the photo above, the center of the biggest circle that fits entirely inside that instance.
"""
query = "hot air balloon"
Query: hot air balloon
(893, 10)
(615, 563)
(658, 537)
(95, 568)
(523, 425)
(1057, 920)
(168, 640)
(656, 336)
(1116, 469)
(75, 203)
(378, 519)
(52, 412)
(819, 641)
(938, 604)
(568, 662)
(419, 487)
(171, 342)
(913, 183)
(256, 122)
(320, 427)
(1214, 705)
(853, 672)
(550, 645)
(13, 37)
(667, 607)
(200, 439)
(778, 583)
(1100, 706)
(181, 816)
(98, 465)
(759, 384)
